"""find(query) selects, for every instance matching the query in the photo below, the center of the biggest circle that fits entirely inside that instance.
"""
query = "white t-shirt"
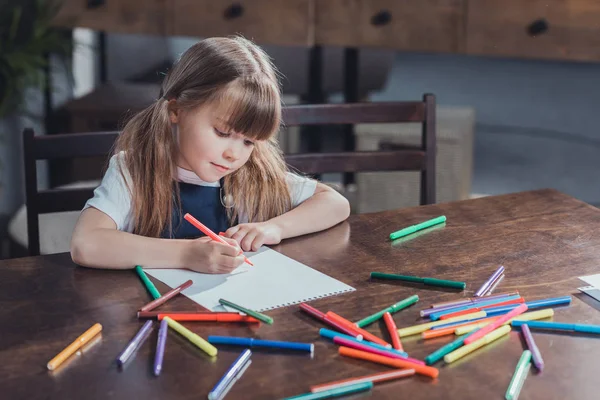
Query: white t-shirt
(112, 196)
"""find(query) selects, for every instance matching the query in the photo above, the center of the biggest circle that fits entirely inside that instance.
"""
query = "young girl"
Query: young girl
(207, 148)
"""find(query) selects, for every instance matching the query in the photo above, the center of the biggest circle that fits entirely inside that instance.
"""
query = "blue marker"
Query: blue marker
(236, 367)
(555, 301)
(584, 328)
(449, 324)
(329, 334)
(250, 342)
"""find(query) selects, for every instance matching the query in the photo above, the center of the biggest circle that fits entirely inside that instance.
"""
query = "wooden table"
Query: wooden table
(545, 239)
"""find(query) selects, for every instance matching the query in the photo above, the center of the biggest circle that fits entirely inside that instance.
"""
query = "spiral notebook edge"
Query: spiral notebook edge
(337, 293)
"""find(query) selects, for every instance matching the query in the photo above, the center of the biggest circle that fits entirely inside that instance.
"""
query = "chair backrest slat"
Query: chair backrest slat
(59, 200)
(367, 161)
(354, 113)
(389, 158)
(74, 145)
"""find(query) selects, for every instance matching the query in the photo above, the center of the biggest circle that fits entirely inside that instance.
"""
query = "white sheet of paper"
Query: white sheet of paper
(592, 280)
(274, 281)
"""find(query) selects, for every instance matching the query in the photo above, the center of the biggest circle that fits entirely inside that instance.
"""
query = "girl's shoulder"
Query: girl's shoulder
(117, 167)
(300, 187)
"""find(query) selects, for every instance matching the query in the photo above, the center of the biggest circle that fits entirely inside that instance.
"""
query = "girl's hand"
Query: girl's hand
(211, 257)
(252, 236)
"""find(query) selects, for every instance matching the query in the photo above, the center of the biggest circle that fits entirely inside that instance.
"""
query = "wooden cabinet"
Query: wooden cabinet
(122, 16)
(547, 29)
(556, 29)
(287, 22)
(415, 25)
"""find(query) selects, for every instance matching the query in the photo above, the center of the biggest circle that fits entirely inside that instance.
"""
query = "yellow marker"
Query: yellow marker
(73, 347)
(192, 337)
(529, 316)
(469, 348)
(416, 329)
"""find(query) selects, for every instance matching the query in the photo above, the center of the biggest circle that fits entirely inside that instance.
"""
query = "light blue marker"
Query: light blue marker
(236, 367)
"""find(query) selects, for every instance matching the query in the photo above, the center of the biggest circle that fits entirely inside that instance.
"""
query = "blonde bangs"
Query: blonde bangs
(251, 107)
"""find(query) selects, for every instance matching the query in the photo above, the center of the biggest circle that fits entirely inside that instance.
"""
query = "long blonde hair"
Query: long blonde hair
(239, 77)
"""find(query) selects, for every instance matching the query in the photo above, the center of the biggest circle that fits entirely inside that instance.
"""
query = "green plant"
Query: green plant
(26, 39)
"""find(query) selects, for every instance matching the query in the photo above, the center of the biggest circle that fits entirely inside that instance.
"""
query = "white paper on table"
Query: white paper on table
(274, 281)
(592, 280)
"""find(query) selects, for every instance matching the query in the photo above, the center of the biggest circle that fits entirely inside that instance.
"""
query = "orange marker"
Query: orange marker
(433, 333)
(359, 331)
(84, 338)
(393, 330)
(392, 362)
(216, 317)
(204, 229)
(470, 310)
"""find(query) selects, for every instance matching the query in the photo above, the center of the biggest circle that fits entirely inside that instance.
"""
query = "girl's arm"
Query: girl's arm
(324, 209)
(97, 243)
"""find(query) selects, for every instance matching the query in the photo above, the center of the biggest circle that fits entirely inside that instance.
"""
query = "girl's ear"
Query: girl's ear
(173, 111)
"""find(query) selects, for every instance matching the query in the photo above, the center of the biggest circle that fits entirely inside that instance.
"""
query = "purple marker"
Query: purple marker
(135, 343)
(535, 351)
(160, 346)
(489, 282)
(494, 286)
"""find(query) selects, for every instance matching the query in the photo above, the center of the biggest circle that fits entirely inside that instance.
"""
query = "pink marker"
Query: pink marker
(493, 325)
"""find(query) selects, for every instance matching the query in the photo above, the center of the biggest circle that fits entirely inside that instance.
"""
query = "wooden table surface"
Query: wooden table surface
(545, 240)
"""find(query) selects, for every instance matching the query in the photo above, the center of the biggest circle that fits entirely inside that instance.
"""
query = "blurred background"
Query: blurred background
(517, 85)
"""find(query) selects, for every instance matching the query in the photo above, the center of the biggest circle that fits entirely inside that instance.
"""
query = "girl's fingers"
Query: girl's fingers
(227, 250)
(246, 243)
(239, 236)
(233, 243)
(229, 232)
(258, 241)
(228, 264)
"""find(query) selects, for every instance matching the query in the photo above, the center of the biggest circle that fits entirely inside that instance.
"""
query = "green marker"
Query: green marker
(450, 347)
(426, 281)
(414, 228)
(518, 378)
(262, 317)
(149, 285)
(391, 309)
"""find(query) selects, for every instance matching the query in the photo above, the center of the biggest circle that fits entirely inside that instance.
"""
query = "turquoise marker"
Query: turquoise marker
(414, 228)
(337, 392)
(450, 347)
(329, 334)
(416, 279)
(558, 326)
(147, 282)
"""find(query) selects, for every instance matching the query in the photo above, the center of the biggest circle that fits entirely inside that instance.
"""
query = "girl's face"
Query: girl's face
(206, 146)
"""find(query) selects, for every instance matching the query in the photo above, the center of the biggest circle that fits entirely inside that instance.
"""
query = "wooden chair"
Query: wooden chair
(81, 145)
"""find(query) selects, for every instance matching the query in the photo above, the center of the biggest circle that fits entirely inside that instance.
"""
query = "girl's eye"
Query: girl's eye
(222, 134)
(248, 142)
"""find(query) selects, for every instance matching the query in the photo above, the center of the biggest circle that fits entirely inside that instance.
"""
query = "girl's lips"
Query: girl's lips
(220, 167)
